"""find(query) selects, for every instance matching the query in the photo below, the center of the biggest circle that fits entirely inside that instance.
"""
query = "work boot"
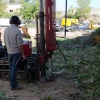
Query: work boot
(18, 87)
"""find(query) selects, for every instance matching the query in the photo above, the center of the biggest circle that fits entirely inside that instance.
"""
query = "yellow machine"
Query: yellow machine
(74, 21)
(69, 22)
(93, 26)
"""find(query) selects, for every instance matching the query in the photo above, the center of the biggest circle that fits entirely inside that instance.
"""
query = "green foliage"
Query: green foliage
(96, 32)
(8, 15)
(29, 9)
(58, 14)
(2, 8)
(49, 97)
(12, 1)
(71, 12)
(83, 9)
(81, 77)
(2, 96)
(83, 64)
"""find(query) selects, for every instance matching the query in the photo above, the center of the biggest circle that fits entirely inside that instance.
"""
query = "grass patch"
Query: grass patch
(49, 97)
(2, 96)
(84, 63)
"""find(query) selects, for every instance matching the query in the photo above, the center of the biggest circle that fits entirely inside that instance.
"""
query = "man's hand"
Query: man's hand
(23, 56)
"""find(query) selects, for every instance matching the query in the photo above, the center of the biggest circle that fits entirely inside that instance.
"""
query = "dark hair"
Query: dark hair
(15, 20)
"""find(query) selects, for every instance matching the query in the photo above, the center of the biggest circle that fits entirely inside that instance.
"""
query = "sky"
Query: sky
(60, 4)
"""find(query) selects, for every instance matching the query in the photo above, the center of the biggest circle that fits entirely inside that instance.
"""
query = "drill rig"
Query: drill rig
(45, 44)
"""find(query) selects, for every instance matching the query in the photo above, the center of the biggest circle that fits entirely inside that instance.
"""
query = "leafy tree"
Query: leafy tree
(71, 12)
(58, 14)
(83, 9)
(12, 1)
(29, 9)
(9, 14)
(2, 8)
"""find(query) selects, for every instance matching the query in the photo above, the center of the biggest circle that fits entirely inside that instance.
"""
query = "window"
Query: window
(11, 10)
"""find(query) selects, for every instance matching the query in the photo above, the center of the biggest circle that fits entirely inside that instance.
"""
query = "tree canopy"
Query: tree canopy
(12, 1)
(2, 8)
(58, 14)
(29, 9)
(84, 8)
(71, 12)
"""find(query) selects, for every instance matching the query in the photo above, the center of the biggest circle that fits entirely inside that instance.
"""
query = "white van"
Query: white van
(4, 22)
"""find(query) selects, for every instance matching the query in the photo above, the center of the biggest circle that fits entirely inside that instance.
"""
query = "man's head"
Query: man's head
(15, 20)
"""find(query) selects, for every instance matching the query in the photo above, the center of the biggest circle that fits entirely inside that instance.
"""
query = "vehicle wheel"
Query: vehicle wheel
(69, 30)
(63, 29)
(60, 29)
(76, 29)
(84, 29)
(72, 30)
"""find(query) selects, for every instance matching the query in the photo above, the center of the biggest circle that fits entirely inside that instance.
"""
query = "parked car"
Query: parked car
(82, 26)
(22, 24)
(59, 28)
(71, 28)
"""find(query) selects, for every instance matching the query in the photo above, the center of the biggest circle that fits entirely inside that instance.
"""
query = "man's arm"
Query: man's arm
(20, 43)
(4, 38)
(22, 52)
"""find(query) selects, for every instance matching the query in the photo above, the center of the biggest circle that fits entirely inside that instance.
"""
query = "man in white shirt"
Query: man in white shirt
(13, 41)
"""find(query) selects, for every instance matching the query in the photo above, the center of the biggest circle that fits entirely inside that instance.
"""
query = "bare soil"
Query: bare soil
(60, 89)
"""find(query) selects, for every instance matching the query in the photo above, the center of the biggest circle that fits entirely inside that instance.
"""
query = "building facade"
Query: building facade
(13, 7)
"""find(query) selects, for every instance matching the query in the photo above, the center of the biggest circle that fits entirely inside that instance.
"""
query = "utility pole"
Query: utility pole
(65, 17)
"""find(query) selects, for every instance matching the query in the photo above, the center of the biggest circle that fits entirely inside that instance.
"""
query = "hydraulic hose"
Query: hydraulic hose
(59, 72)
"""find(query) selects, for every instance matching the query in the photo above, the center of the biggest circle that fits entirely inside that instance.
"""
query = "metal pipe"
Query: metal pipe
(37, 38)
(41, 5)
(51, 64)
(38, 48)
(42, 38)
(65, 17)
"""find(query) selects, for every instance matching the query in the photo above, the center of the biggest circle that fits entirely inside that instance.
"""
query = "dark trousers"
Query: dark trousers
(13, 58)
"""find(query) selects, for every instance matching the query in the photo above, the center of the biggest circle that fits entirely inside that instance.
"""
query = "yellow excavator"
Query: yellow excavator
(69, 24)
(69, 21)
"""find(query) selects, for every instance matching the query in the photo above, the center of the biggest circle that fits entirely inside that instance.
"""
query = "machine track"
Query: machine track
(27, 70)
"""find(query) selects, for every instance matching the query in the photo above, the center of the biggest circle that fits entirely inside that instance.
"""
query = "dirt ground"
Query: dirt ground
(60, 89)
